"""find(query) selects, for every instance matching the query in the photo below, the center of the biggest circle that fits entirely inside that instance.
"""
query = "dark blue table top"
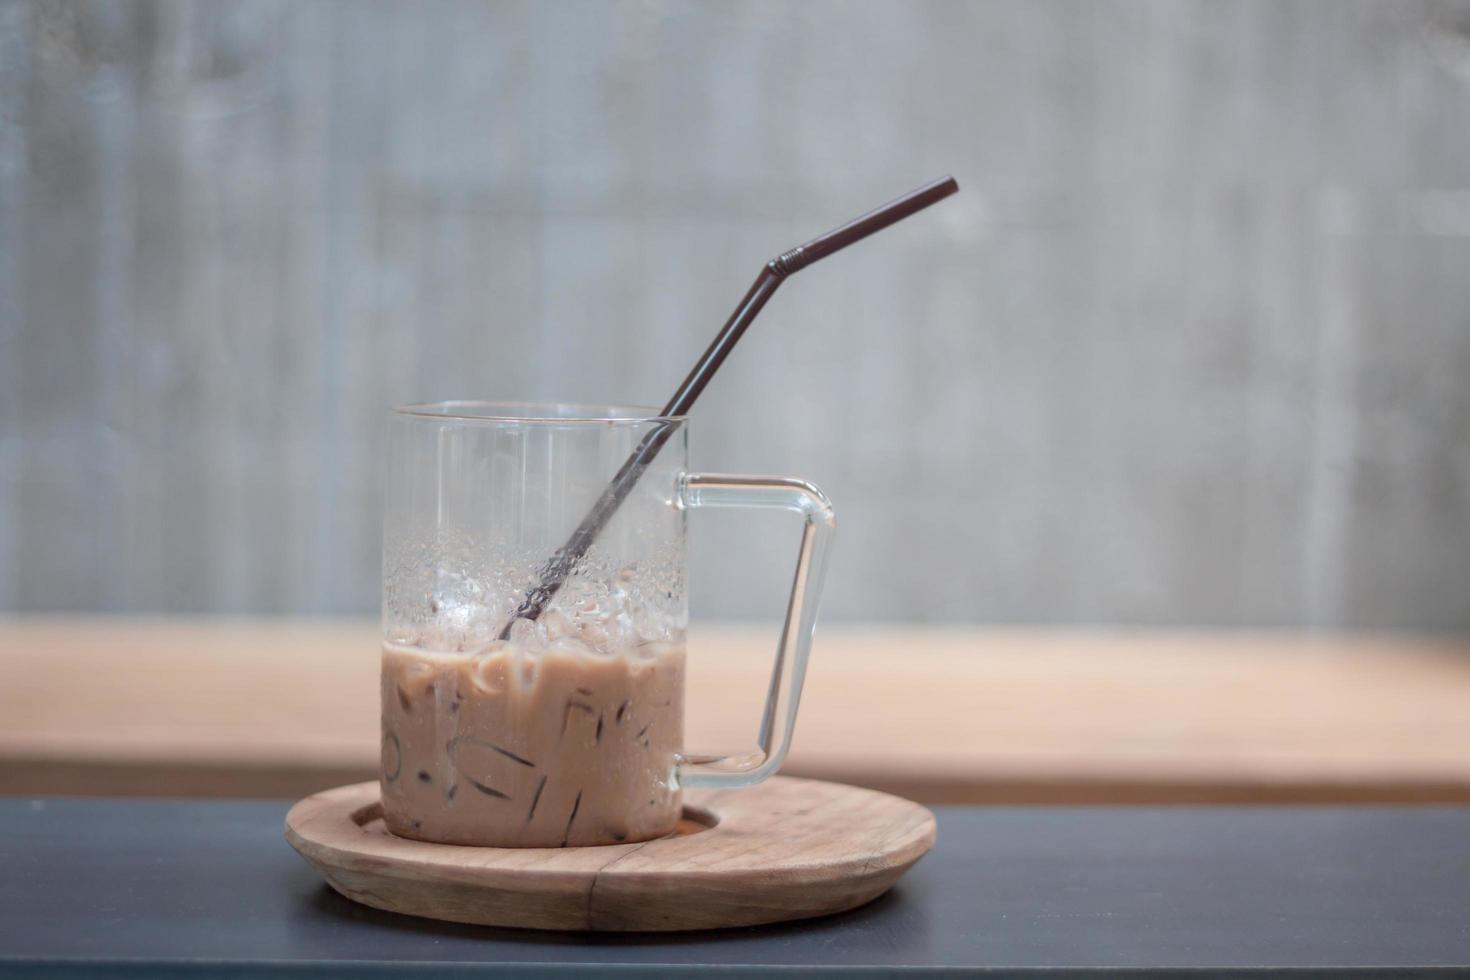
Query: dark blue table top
(182, 888)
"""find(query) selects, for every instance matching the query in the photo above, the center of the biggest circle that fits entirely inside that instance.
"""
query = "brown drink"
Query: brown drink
(570, 745)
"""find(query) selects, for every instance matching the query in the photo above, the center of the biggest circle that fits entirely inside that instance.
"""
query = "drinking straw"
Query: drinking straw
(557, 568)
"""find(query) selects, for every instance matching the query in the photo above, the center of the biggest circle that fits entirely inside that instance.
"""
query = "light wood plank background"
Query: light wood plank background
(1191, 347)
(125, 705)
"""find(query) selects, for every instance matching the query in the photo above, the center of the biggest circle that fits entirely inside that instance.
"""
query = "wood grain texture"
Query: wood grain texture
(784, 849)
(278, 708)
(1190, 347)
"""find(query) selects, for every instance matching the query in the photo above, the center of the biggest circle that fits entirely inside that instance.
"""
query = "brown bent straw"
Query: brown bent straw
(554, 573)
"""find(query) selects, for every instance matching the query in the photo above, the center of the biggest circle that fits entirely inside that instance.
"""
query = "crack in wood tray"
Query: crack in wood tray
(784, 849)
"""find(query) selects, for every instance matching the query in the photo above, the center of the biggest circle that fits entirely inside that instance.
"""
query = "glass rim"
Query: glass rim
(535, 413)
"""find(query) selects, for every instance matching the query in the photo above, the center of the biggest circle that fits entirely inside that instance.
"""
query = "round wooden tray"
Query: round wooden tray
(785, 849)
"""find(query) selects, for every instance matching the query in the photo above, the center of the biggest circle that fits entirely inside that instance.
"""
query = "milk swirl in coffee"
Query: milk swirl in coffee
(566, 734)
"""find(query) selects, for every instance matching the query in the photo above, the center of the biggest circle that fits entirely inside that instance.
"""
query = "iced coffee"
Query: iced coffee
(532, 741)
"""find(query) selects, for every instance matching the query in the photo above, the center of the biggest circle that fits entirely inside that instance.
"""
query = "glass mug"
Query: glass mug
(570, 731)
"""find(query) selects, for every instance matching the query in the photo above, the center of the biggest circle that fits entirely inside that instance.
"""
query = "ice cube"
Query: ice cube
(528, 635)
(557, 624)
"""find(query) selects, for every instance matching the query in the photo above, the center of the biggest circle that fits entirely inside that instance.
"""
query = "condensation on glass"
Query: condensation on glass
(569, 731)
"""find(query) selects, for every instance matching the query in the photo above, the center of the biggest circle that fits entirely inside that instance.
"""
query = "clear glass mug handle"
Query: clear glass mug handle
(778, 720)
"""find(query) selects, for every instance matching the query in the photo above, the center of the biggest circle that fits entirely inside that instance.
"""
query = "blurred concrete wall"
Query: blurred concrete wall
(1192, 346)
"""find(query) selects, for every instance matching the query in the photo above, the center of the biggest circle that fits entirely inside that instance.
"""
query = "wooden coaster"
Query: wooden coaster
(784, 849)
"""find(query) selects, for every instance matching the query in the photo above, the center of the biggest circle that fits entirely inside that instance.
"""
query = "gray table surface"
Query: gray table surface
(184, 888)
